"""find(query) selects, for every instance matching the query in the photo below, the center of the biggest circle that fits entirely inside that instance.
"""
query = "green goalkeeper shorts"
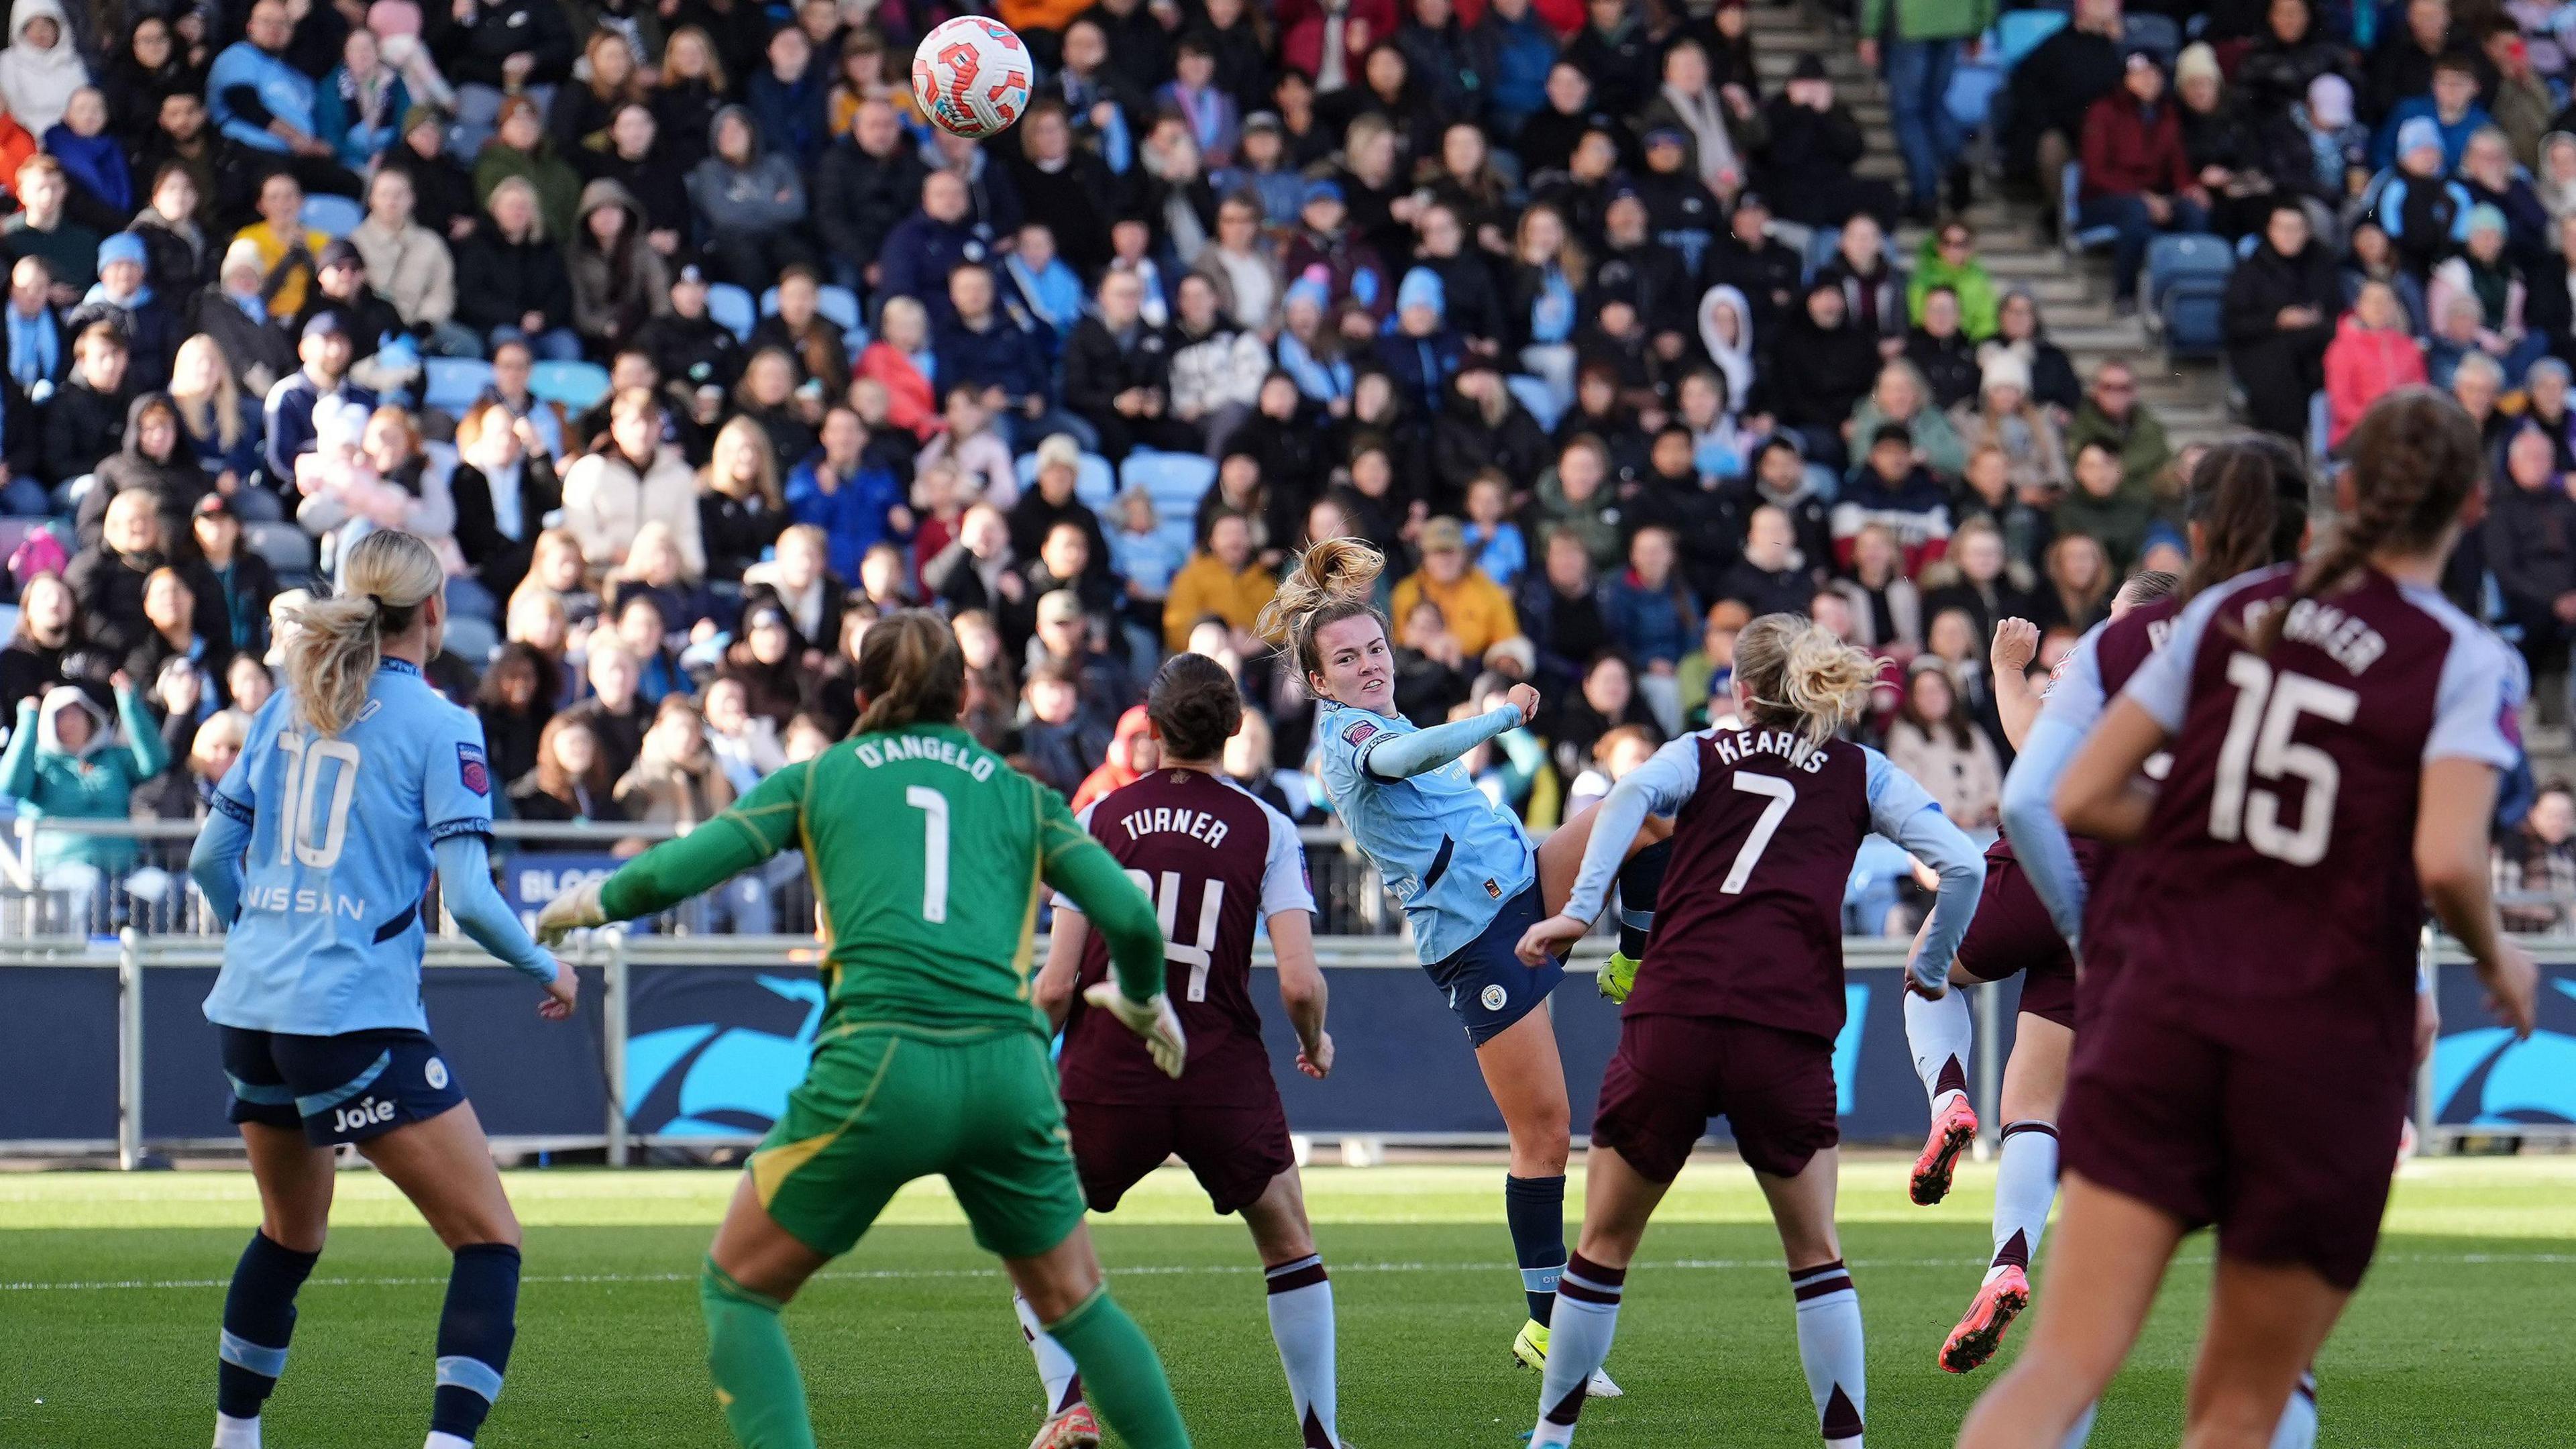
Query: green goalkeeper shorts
(880, 1108)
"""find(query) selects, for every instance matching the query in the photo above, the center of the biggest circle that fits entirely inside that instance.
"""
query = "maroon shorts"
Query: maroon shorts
(1672, 1073)
(1233, 1151)
(2286, 1142)
(2012, 932)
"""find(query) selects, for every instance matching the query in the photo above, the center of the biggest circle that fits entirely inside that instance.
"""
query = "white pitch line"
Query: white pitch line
(857, 1275)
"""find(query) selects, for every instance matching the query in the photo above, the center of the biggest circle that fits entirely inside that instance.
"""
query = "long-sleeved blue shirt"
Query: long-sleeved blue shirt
(287, 94)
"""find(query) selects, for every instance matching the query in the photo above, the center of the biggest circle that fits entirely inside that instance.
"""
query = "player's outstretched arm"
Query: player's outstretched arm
(2016, 703)
(214, 862)
(2451, 821)
(1401, 757)
(1658, 787)
(465, 887)
(1301, 989)
(758, 826)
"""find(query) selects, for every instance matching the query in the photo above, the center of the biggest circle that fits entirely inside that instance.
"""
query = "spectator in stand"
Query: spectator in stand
(1942, 353)
(866, 182)
(1821, 368)
(511, 281)
(2420, 208)
(1874, 291)
(2050, 93)
(1607, 700)
(42, 230)
(1217, 367)
(1976, 580)
(258, 100)
(2004, 417)
(1900, 399)
(2371, 356)
(2371, 257)
(571, 780)
(326, 352)
(2451, 106)
(1560, 610)
(974, 344)
(2104, 508)
(1653, 616)
(149, 460)
(2077, 584)
(2517, 96)
(411, 266)
(244, 583)
(1117, 375)
(503, 494)
(85, 420)
(675, 779)
(65, 762)
(2137, 176)
(520, 148)
(1475, 608)
(1811, 144)
(102, 183)
(2535, 865)
(1986, 495)
(1061, 743)
(1782, 479)
(1576, 497)
(899, 359)
(796, 326)
(110, 583)
(1764, 270)
(1223, 579)
(2401, 64)
(976, 448)
(750, 202)
(856, 501)
(514, 706)
(2111, 414)
(1934, 740)
(1887, 608)
(1894, 489)
(608, 494)
(2490, 176)
(47, 636)
(2486, 272)
(741, 509)
(2280, 305)
(2530, 545)
(619, 283)
(1706, 674)
(1915, 45)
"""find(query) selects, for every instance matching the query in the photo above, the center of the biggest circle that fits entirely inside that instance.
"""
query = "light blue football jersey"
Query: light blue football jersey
(1447, 851)
(330, 931)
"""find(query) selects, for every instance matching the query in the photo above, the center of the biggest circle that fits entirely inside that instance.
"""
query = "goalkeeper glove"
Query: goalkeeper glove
(572, 911)
(1152, 1019)
(1618, 976)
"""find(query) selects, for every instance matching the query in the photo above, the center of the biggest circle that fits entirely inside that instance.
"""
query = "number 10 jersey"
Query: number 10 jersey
(342, 830)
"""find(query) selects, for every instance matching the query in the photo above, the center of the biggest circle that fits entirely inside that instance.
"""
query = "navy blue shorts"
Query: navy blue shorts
(344, 1088)
(1486, 984)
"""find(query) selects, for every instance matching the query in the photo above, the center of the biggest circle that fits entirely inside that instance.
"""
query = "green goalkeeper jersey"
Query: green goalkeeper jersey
(928, 857)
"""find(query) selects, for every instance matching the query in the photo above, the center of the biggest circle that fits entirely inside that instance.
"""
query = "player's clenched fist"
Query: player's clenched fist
(1152, 1019)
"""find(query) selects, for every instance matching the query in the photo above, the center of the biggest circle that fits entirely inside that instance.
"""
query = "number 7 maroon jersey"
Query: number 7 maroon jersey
(2278, 867)
(1215, 862)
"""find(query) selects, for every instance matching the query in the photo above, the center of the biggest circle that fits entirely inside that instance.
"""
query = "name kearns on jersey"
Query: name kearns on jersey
(1732, 748)
(873, 753)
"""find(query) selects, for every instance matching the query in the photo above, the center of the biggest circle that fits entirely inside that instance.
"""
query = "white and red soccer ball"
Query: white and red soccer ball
(971, 76)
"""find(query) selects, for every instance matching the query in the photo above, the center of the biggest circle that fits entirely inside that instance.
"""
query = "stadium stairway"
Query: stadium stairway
(2074, 293)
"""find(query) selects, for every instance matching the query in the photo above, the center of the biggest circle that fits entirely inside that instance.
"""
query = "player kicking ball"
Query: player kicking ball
(1217, 863)
(1740, 997)
(930, 1058)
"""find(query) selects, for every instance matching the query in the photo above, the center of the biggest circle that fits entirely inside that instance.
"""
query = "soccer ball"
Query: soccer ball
(971, 76)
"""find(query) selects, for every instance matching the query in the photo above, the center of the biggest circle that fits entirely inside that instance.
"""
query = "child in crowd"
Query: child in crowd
(1493, 541)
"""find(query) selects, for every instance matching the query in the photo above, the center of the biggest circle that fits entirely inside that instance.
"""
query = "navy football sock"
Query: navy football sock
(1535, 1207)
(474, 1335)
(259, 1319)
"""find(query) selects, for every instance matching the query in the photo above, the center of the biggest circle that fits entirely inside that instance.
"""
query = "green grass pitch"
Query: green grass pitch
(111, 1288)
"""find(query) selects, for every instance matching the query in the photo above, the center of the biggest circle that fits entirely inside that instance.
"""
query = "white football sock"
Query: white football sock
(438, 1440)
(1055, 1366)
(2298, 1427)
(1830, 1349)
(232, 1433)
(1301, 1323)
(1587, 1318)
(2025, 1186)
(1942, 1035)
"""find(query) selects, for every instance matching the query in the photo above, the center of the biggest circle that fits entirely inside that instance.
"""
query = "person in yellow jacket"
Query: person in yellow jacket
(1478, 611)
(1221, 579)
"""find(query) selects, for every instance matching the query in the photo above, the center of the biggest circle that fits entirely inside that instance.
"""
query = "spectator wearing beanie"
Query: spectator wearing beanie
(1423, 352)
(2137, 175)
(124, 296)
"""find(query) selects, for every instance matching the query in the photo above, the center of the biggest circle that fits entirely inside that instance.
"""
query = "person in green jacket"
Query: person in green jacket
(2111, 414)
(64, 763)
(1948, 258)
(1916, 45)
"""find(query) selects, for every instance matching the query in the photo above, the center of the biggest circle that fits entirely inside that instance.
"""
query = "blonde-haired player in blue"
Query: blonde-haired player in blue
(356, 782)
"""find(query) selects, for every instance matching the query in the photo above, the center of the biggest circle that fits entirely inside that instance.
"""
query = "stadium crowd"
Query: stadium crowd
(694, 351)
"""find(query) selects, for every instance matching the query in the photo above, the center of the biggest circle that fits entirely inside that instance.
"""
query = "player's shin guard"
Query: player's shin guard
(2025, 1185)
(1941, 1034)
(1829, 1349)
(1121, 1373)
(1301, 1322)
(259, 1320)
(475, 1331)
(1535, 1208)
(1055, 1367)
(2298, 1426)
(757, 1385)
(1587, 1318)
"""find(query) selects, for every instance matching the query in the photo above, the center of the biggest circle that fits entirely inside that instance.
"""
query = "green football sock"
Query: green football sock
(757, 1384)
(1121, 1374)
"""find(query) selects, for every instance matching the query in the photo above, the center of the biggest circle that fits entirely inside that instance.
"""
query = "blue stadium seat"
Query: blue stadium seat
(2076, 237)
(2158, 33)
(333, 216)
(2186, 292)
(450, 384)
(2019, 32)
(576, 385)
(1974, 86)
(731, 307)
(1534, 394)
(288, 549)
(1094, 483)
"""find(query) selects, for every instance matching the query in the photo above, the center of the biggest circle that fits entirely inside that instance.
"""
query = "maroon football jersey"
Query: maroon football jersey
(2126, 643)
(2277, 869)
(1215, 861)
(1748, 923)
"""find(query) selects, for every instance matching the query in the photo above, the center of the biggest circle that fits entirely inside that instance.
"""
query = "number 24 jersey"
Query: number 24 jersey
(342, 830)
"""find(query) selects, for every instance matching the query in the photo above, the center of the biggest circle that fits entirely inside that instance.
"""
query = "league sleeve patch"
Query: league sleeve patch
(471, 770)
(1359, 734)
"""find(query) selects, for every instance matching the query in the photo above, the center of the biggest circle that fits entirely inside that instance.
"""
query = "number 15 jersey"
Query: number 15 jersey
(342, 828)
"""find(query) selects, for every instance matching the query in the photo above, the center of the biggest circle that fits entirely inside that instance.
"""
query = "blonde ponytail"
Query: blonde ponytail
(1335, 579)
(335, 641)
(1796, 672)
